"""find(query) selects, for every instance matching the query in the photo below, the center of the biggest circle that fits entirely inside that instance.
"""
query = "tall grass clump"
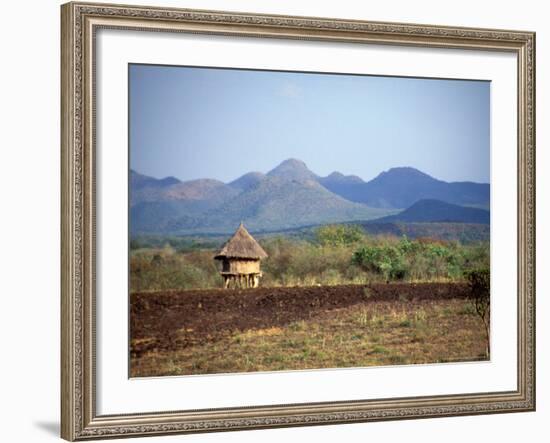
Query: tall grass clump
(161, 269)
(302, 263)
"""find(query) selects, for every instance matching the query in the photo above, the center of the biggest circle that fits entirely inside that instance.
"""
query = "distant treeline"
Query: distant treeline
(331, 255)
(464, 233)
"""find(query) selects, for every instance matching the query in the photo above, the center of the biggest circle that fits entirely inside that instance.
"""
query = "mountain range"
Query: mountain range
(291, 195)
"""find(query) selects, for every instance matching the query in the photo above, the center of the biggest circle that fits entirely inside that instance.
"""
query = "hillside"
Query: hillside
(140, 181)
(273, 204)
(438, 211)
(277, 203)
(145, 188)
(264, 203)
(247, 181)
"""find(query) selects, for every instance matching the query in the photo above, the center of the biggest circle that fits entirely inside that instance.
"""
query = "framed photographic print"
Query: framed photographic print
(282, 221)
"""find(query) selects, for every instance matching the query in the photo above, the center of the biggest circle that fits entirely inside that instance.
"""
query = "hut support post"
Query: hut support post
(241, 281)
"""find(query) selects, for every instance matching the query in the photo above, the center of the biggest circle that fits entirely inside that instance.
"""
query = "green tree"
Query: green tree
(339, 235)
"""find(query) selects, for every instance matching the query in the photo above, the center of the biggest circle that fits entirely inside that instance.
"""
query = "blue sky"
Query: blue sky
(220, 123)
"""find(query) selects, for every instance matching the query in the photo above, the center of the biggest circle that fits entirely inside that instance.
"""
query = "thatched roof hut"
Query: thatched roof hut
(242, 245)
(240, 258)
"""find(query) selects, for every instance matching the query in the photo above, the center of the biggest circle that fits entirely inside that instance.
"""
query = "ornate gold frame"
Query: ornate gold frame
(79, 22)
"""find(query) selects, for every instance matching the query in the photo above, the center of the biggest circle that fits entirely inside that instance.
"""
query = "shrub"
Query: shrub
(479, 281)
(419, 259)
(386, 260)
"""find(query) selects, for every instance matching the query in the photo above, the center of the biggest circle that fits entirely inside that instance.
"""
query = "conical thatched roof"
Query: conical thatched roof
(242, 245)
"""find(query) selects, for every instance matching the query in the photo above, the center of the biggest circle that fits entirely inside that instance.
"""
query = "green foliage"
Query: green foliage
(339, 235)
(387, 260)
(418, 259)
(335, 255)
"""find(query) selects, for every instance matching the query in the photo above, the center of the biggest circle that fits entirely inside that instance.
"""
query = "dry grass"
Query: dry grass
(381, 333)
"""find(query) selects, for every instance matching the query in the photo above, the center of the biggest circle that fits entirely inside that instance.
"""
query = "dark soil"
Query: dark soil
(165, 321)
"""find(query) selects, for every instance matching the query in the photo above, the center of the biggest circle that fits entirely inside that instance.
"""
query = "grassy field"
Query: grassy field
(367, 327)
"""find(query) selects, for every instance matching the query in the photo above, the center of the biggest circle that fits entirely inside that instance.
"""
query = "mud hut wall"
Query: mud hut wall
(241, 266)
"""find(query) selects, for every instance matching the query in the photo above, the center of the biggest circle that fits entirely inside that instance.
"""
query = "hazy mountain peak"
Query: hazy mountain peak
(139, 181)
(293, 162)
(338, 177)
(292, 169)
(404, 172)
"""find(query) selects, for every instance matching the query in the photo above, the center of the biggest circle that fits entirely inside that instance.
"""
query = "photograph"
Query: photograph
(286, 220)
(289, 217)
